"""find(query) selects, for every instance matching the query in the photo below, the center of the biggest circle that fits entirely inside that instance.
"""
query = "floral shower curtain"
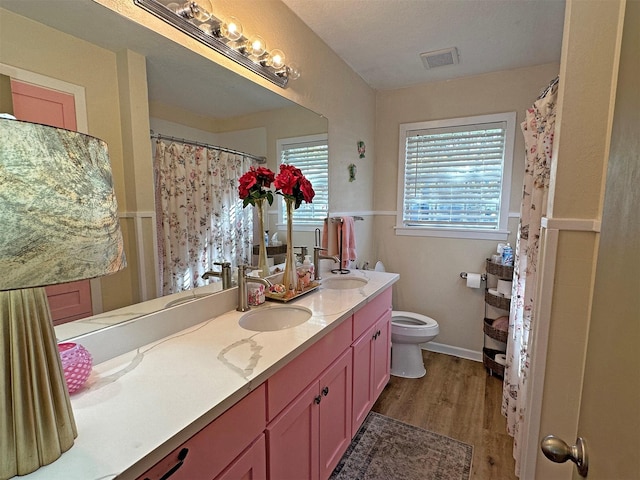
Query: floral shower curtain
(538, 130)
(200, 217)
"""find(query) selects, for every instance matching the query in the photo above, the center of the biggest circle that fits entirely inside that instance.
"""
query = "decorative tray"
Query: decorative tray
(284, 298)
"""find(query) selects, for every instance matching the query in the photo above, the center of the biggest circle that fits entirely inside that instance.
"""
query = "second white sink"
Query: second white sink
(270, 319)
(344, 283)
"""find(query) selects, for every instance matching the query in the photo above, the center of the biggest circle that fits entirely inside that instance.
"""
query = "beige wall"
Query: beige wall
(429, 267)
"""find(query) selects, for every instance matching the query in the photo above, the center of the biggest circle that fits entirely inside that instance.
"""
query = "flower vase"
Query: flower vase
(290, 275)
(263, 266)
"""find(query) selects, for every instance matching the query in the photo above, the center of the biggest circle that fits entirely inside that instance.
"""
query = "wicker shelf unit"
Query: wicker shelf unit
(502, 272)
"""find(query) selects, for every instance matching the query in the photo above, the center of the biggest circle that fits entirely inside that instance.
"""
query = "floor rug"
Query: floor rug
(385, 449)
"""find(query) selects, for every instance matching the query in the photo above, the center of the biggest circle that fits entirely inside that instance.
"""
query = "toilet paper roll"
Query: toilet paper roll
(473, 280)
(504, 287)
(501, 358)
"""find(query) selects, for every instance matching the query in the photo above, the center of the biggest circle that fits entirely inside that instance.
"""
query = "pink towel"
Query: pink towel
(348, 241)
(501, 323)
(325, 235)
(331, 239)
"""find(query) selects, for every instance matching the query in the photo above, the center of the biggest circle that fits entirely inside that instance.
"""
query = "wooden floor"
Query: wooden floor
(456, 398)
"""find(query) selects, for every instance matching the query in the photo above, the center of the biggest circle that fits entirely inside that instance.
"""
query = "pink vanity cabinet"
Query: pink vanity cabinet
(230, 447)
(311, 430)
(371, 355)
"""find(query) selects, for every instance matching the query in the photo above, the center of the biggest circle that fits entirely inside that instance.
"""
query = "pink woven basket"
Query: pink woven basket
(76, 363)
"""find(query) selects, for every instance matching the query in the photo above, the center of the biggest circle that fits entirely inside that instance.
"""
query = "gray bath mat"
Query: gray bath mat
(385, 449)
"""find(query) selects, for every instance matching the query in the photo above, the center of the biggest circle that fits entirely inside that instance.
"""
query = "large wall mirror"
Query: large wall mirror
(189, 97)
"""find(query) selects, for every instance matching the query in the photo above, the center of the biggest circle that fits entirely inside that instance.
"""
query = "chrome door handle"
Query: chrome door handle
(557, 450)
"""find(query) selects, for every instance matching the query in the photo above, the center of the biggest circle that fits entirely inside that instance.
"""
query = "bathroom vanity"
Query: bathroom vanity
(217, 401)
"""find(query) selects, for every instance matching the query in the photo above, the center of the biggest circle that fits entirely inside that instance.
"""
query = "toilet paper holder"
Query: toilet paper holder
(483, 276)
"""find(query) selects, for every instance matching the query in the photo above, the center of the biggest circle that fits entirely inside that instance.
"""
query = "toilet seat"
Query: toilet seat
(412, 319)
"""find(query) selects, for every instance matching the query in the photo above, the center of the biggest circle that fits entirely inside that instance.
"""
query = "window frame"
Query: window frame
(280, 144)
(501, 232)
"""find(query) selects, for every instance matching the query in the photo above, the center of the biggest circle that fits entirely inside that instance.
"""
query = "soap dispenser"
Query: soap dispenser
(305, 272)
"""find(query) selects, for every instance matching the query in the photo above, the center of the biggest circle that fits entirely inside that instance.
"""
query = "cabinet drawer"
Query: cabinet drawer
(287, 383)
(209, 451)
(364, 318)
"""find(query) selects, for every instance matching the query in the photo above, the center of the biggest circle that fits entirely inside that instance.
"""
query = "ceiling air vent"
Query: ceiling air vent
(440, 58)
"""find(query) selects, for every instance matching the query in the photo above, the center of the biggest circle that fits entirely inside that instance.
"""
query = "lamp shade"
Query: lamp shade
(58, 211)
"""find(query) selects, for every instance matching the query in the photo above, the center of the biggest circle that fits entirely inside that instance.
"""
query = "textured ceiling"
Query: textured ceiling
(382, 39)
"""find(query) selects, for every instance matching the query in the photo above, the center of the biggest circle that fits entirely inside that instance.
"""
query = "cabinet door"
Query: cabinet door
(335, 413)
(250, 465)
(362, 379)
(381, 355)
(292, 438)
(371, 368)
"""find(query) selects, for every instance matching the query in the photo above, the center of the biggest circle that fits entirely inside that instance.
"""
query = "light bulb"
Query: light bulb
(231, 29)
(201, 10)
(293, 71)
(256, 47)
(276, 59)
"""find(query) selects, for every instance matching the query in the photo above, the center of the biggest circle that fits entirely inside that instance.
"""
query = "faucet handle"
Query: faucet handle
(320, 249)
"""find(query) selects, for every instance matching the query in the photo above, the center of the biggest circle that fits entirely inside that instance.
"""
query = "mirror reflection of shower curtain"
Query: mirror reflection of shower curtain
(200, 219)
(538, 130)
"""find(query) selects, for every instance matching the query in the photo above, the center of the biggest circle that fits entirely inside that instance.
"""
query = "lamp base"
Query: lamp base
(36, 419)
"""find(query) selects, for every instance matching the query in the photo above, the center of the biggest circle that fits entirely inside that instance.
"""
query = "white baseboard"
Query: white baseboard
(455, 351)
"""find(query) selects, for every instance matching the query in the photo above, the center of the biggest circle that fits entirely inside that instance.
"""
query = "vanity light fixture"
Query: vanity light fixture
(60, 224)
(195, 18)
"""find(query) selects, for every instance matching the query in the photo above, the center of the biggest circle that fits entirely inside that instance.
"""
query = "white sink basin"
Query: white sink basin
(344, 283)
(270, 319)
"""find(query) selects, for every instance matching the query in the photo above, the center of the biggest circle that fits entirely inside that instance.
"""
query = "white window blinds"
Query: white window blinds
(311, 155)
(454, 175)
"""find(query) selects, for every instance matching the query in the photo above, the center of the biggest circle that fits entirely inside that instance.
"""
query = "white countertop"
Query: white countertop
(137, 407)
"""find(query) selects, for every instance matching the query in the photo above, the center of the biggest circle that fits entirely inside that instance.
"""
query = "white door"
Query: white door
(592, 381)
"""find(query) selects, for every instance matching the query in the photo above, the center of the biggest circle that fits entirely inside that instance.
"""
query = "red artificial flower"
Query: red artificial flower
(292, 184)
(254, 185)
(306, 189)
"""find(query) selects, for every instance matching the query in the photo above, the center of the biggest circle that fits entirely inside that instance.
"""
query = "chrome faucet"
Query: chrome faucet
(317, 256)
(224, 274)
(243, 278)
(303, 253)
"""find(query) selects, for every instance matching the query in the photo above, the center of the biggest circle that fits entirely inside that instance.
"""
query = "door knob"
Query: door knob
(558, 451)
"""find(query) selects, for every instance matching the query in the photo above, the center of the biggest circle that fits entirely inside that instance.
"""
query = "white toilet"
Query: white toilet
(408, 331)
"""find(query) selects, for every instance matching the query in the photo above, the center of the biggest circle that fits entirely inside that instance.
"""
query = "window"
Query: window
(454, 177)
(311, 155)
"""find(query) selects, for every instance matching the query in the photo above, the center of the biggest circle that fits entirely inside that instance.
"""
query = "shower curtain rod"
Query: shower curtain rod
(158, 136)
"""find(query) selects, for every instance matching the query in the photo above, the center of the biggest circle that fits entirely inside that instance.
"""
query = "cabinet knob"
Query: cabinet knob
(317, 400)
(325, 391)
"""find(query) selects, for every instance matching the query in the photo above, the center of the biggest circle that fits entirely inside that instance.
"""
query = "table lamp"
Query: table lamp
(58, 223)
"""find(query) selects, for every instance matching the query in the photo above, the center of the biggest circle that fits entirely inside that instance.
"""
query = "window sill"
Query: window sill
(452, 233)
